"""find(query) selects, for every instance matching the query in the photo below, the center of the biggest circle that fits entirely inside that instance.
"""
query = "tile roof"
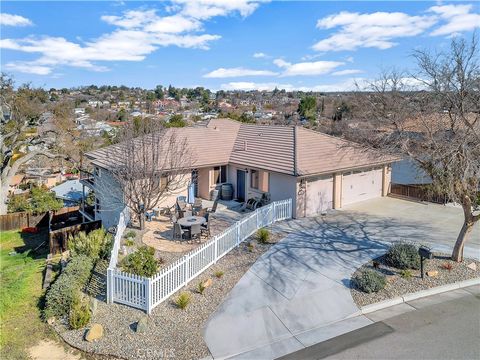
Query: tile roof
(289, 150)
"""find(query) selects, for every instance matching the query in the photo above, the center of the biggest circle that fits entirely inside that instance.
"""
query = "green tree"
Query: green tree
(176, 121)
(43, 200)
(18, 203)
(159, 94)
(308, 108)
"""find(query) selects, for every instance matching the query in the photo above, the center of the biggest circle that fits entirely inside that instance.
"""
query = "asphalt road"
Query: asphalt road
(448, 330)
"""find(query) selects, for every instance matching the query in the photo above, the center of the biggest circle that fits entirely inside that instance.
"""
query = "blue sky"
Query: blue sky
(222, 44)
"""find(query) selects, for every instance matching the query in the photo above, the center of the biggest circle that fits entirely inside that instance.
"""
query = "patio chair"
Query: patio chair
(187, 213)
(178, 232)
(174, 219)
(214, 207)
(181, 198)
(205, 228)
(195, 232)
(197, 203)
(202, 212)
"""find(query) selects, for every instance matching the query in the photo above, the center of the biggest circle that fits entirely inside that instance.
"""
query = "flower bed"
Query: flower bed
(403, 281)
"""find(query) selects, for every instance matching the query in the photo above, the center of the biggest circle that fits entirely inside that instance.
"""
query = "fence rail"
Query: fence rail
(146, 293)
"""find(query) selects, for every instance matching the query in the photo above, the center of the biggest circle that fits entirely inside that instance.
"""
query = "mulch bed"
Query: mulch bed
(171, 332)
(398, 285)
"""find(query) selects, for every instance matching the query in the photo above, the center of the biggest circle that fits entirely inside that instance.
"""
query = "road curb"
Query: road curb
(417, 295)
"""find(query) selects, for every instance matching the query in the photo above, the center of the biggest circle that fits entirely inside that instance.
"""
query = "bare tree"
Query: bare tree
(149, 164)
(20, 110)
(432, 117)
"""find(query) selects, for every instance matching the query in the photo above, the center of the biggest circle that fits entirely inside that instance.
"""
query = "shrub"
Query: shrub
(201, 287)
(97, 244)
(60, 297)
(130, 234)
(142, 262)
(263, 235)
(406, 274)
(370, 281)
(129, 242)
(80, 314)
(219, 273)
(183, 300)
(403, 256)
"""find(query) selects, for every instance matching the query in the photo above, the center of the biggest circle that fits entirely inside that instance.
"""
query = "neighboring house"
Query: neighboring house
(406, 172)
(72, 192)
(318, 172)
(44, 177)
(14, 185)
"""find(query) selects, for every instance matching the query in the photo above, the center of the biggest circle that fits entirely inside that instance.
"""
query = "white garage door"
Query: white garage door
(319, 195)
(361, 185)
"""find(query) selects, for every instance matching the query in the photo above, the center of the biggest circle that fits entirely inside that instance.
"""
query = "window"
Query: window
(254, 179)
(220, 174)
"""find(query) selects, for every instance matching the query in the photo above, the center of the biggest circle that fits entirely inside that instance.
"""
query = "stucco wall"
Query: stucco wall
(283, 187)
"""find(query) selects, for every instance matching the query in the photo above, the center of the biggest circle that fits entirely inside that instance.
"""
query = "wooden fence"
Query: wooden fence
(58, 239)
(418, 192)
(146, 293)
(20, 220)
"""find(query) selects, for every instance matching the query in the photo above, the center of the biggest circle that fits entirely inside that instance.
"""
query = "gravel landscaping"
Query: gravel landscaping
(170, 332)
(397, 285)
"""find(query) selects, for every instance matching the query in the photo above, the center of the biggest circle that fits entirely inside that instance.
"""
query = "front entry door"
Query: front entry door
(240, 185)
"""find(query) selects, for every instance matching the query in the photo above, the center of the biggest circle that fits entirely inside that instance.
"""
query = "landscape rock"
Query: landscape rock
(207, 283)
(432, 273)
(142, 325)
(472, 266)
(93, 305)
(94, 333)
(51, 321)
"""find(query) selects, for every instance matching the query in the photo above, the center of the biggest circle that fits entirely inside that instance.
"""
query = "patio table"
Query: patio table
(191, 220)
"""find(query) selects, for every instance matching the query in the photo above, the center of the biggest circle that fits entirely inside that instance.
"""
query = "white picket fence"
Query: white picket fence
(146, 293)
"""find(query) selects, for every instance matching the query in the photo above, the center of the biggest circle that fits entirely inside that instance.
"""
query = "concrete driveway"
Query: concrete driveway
(297, 293)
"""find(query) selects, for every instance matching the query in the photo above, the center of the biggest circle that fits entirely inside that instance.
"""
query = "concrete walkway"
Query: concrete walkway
(297, 293)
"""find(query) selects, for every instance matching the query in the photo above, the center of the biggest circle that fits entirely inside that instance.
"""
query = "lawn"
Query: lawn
(21, 270)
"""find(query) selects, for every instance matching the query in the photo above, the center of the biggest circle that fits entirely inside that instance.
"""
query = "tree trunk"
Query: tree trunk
(3, 198)
(141, 220)
(457, 254)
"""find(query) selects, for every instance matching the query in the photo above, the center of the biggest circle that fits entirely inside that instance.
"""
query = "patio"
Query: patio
(159, 231)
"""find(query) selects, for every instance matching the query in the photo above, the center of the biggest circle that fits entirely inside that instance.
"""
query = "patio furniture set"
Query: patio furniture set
(191, 222)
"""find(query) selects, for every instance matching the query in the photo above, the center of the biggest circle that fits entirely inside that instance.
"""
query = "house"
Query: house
(317, 171)
(72, 192)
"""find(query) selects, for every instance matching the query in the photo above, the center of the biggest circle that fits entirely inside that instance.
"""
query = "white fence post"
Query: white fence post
(237, 234)
(148, 295)
(187, 269)
(109, 286)
(215, 239)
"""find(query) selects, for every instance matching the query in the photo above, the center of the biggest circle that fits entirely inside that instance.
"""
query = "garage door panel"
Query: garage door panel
(319, 195)
(361, 186)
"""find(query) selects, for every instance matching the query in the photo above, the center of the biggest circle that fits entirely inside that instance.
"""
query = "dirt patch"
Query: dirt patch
(50, 350)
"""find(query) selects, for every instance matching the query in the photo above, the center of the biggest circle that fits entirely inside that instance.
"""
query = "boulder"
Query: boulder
(207, 283)
(432, 273)
(142, 325)
(472, 266)
(94, 333)
(51, 321)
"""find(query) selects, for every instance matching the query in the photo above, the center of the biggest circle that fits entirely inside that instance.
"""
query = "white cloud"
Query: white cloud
(138, 33)
(14, 20)
(29, 68)
(374, 30)
(347, 72)
(458, 18)
(259, 55)
(306, 68)
(347, 85)
(237, 72)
